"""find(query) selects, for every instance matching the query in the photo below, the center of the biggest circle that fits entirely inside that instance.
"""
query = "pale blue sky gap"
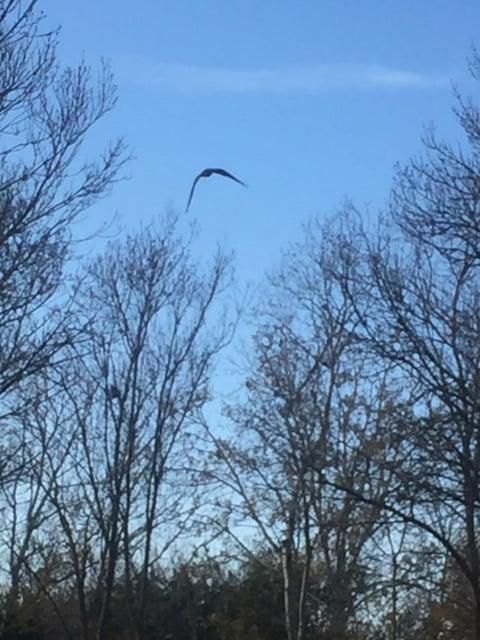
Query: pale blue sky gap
(308, 102)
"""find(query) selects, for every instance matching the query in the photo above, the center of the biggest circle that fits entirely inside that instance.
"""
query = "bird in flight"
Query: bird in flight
(114, 392)
(206, 173)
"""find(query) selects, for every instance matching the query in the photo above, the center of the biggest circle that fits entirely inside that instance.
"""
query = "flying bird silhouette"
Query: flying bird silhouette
(114, 392)
(206, 173)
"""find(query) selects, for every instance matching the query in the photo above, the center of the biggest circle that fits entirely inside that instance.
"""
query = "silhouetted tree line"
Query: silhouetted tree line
(337, 498)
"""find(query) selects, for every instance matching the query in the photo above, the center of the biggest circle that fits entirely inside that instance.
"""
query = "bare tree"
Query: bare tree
(414, 284)
(46, 181)
(156, 323)
(313, 412)
(46, 112)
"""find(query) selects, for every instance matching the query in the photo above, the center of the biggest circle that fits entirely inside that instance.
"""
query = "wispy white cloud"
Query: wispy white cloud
(193, 79)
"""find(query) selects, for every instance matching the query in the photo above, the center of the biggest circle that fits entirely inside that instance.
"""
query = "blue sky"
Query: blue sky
(308, 102)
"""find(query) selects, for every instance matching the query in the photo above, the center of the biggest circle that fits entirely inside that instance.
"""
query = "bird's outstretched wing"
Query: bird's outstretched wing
(226, 174)
(206, 173)
(200, 175)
